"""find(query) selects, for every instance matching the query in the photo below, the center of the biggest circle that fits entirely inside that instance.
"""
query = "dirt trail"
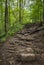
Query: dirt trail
(17, 49)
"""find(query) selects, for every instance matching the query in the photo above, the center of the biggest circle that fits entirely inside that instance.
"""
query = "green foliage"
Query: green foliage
(15, 28)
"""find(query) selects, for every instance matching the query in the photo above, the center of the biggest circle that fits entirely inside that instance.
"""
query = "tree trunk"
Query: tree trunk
(19, 10)
(6, 16)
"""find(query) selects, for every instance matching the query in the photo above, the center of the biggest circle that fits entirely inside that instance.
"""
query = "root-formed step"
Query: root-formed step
(27, 55)
(26, 36)
(10, 51)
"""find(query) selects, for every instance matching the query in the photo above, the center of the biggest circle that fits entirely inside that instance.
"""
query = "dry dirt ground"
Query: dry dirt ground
(24, 48)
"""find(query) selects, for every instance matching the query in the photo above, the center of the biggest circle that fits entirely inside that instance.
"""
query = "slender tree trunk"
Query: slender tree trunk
(19, 10)
(6, 16)
(43, 11)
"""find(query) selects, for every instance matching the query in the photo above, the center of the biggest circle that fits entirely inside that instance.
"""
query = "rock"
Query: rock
(26, 57)
(37, 56)
(1, 62)
(29, 50)
(42, 56)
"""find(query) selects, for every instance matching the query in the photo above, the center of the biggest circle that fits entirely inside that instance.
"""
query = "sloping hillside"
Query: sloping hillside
(24, 48)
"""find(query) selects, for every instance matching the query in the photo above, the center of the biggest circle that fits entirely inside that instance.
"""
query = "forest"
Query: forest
(15, 14)
(21, 32)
